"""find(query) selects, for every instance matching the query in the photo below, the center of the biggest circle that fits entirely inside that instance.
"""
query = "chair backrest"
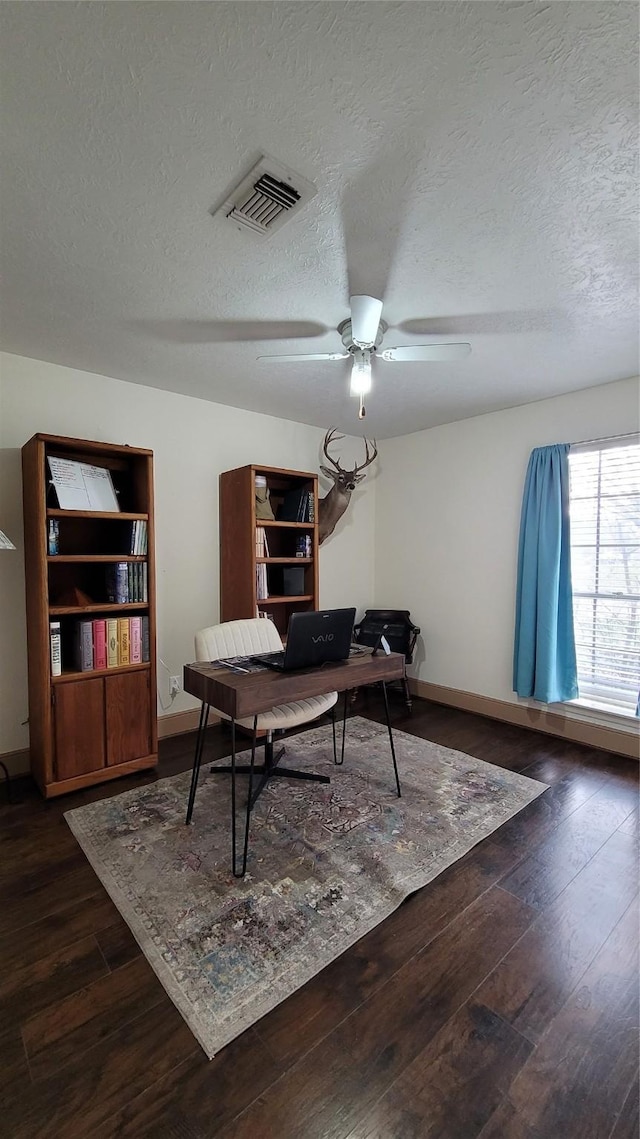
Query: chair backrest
(237, 638)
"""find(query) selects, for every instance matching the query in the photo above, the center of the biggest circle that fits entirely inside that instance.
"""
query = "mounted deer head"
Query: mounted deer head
(333, 505)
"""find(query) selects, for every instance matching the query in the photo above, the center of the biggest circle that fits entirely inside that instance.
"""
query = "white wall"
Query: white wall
(192, 440)
(439, 517)
(447, 523)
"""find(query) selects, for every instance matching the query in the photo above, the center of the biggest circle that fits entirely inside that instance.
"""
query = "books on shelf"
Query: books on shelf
(127, 583)
(106, 643)
(262, 544)
(262, 589)
(297, 506)
(138, 537)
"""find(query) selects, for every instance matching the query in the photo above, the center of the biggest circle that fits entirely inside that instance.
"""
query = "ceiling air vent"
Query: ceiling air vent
(267, 197)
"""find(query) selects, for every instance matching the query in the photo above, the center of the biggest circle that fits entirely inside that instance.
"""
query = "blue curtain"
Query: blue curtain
(544, 659)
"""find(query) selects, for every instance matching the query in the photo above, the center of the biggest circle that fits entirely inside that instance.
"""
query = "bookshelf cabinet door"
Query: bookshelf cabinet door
(79, 728)
(128, 709)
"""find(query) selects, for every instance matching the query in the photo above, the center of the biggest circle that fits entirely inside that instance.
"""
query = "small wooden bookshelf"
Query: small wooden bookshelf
(88, 724)
(239, 559)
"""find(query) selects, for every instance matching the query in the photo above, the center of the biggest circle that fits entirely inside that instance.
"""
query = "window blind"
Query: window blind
(604, 493)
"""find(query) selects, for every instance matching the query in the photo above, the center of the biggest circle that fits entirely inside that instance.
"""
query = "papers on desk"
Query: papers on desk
(81, 486)
(240, 664)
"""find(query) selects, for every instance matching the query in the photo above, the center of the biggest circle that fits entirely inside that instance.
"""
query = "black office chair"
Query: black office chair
(398, 629)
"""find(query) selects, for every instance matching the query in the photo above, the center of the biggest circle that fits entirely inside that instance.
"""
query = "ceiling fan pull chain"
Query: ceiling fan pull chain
(361, 409)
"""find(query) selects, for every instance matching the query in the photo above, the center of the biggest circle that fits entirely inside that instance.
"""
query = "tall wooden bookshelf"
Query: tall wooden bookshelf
(90, 726)
(238, 553)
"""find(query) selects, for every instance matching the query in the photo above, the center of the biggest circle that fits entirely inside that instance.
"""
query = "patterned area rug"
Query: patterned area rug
(327, 863)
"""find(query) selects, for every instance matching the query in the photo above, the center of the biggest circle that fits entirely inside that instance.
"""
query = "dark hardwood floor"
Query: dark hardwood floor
(499, 1002)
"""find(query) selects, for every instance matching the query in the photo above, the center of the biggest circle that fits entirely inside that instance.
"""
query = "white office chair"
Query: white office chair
(245, 638)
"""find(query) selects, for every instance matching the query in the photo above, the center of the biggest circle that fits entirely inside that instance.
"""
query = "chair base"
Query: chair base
(268, 770)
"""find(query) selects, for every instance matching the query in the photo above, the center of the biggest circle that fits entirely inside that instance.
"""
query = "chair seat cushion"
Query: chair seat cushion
(289, 715)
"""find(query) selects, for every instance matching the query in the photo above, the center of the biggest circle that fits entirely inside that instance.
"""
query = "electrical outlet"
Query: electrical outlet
(174, 685)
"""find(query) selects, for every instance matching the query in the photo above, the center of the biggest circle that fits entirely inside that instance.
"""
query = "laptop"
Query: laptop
(313, 639)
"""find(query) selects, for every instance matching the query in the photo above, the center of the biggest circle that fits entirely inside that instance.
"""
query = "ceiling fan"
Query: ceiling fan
(362, 336)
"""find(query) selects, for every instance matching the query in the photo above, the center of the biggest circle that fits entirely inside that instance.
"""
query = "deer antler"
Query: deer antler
(368, 458)
(331, 437)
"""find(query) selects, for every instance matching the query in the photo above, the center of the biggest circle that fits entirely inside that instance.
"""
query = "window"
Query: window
(605, 570)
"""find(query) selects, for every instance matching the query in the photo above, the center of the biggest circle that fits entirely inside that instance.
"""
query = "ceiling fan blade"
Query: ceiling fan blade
(229, 331)
(411, 352)
(297, 357)
(365, 319)
(490, 323)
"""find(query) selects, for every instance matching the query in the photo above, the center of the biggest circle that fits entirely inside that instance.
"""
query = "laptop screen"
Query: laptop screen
(319, 637)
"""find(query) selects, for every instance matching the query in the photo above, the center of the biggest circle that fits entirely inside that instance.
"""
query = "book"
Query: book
(99, 643)
(262, 590)
(136, 594)
(84, 646)
(123, 640)
(146, 646)
(54, 536)
(135, 646)
(138, 537)
(117, 578)
(56, 648)
(112, 642)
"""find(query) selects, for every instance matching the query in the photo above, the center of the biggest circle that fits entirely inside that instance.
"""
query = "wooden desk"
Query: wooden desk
(241, 696)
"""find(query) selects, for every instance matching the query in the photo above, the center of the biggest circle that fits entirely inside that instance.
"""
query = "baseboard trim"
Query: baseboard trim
(175, 723)
(540, 720)
(524, 716)
(16, 762)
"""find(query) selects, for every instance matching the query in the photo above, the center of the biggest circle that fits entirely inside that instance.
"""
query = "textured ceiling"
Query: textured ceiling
(475, 166)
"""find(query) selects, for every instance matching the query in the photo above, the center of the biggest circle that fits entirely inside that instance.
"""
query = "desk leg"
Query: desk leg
(233, 795)
(241, 874)
(197, 758)
(339, 762)
(333, 729)
(393, 750)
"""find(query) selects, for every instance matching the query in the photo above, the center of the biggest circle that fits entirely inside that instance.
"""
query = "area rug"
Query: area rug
(327, 863)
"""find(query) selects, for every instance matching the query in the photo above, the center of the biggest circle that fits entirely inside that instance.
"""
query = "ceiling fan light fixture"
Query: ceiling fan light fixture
(361, 373)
